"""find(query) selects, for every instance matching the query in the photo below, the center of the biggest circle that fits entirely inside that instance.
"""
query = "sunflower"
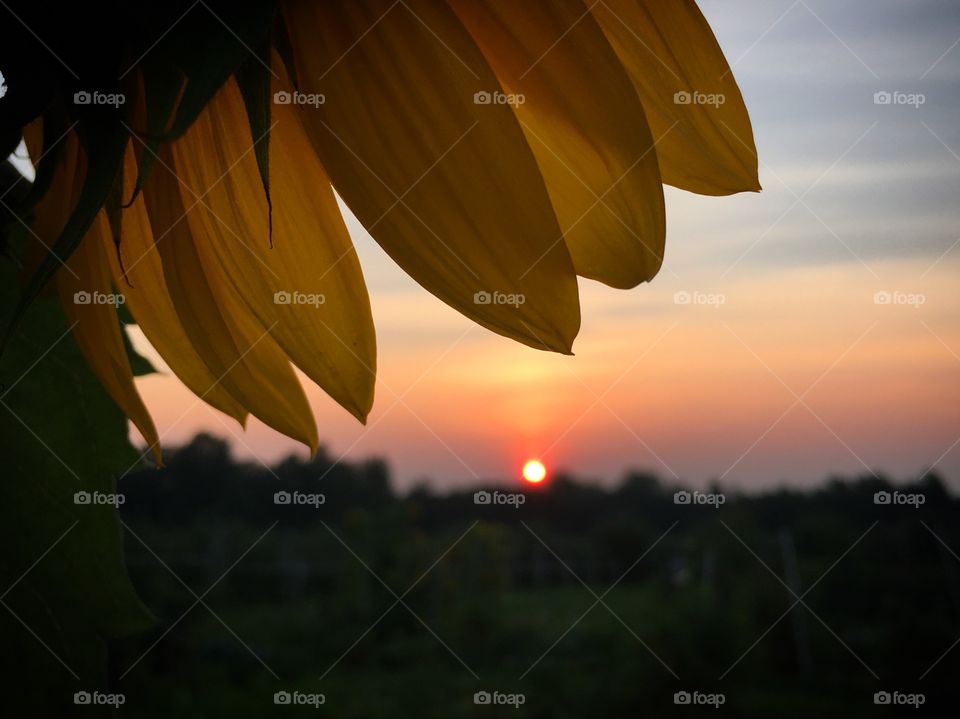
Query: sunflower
(495, 149)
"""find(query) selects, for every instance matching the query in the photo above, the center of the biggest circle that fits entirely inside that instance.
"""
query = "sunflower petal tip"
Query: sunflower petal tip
(561, 345)
(751, 182)
(360, 412)
(564, 347)
(312, 443)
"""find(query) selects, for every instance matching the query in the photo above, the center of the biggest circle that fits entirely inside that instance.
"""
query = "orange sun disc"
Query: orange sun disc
(534, 471)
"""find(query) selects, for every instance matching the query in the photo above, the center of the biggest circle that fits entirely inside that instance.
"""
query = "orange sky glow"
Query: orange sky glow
(805, 331)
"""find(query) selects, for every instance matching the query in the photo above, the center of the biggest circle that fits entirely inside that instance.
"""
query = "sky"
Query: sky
(785, 368)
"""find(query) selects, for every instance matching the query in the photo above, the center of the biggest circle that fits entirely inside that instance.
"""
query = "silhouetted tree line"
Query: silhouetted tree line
(201, 481)
(702, 582)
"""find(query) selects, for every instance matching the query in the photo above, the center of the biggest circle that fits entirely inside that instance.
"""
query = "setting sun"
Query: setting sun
(534, 471)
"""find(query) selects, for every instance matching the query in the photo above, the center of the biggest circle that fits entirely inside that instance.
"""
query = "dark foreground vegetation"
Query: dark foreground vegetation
(338, 597)
(573, 601)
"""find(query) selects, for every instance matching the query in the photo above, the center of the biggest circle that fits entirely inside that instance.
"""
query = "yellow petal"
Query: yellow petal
(96, 326)
(236, 348)
(586, 127)
(449, 188)
(143, 285)
(684, 82)
(308, 286)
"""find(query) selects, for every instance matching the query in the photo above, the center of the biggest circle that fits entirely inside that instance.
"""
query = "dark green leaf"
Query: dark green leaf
(138, 363)
(281, 40)
(62, 435)
(162, 84)
(213, 48)
(114, 209)
(191, 63)
(125, 317)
